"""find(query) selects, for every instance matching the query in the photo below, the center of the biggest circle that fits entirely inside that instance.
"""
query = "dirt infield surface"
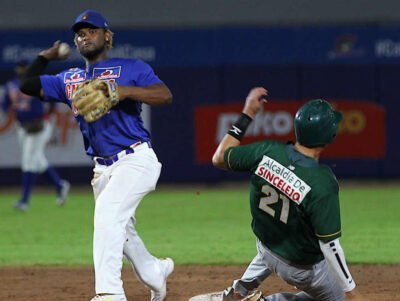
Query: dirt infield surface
(380, 283)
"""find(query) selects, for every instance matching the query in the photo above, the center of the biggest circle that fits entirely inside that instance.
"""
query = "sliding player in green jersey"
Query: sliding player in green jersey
(294, 204)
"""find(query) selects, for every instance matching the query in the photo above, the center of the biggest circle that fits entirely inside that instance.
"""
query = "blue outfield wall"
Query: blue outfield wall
(220, 65)
(389, 92)
(173, 137)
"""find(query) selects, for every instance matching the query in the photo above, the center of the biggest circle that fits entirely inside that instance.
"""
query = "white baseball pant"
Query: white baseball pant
(118, 190)
(33, 148)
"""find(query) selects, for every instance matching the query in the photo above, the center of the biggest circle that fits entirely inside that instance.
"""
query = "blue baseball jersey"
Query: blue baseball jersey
(27, 108)
(120, 127)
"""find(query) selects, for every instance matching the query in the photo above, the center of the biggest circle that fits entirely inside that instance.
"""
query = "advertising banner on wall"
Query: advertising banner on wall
(361, 134)
(214, 46)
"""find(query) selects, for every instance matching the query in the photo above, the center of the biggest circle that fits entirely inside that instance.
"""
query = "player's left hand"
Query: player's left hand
(95, 98)
(255, 101)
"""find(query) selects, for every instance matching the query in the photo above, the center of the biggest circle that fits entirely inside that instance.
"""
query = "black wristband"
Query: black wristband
(239, 128)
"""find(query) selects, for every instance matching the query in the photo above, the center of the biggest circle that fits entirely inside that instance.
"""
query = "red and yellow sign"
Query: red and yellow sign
(361, 134)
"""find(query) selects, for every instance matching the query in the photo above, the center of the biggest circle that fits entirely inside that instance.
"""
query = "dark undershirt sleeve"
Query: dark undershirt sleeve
(30, 83)
(31, 86)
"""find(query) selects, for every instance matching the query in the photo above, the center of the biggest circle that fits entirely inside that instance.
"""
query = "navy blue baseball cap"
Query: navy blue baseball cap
(89, 18)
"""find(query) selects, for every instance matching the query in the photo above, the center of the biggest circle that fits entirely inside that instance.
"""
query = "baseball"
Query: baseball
(63, 50)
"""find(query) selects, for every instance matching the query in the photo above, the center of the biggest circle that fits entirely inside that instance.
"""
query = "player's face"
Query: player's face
(90, 42)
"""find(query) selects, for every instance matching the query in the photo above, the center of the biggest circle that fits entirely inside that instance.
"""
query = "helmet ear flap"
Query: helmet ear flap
(338, 116)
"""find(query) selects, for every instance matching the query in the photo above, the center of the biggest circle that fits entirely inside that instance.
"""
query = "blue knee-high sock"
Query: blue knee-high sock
(28, 180)
(54, 177)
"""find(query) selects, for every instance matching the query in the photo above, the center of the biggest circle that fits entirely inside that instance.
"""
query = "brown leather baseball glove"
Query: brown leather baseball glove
(95, 98)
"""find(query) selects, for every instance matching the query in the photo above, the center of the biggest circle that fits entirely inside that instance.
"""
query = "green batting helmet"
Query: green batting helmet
(316, 123)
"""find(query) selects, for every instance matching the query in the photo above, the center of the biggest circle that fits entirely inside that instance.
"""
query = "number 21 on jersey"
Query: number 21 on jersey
(273, 197)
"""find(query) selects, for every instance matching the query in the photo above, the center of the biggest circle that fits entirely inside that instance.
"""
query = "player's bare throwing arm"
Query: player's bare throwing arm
(295, 207)
(126, 168)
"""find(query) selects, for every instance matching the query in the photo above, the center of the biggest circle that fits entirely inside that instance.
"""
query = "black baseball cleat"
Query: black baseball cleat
(229, 294)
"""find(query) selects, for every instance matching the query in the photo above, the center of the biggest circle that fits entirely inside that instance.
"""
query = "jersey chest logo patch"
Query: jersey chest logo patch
(107, 72)
(74, 76)
(283, 179)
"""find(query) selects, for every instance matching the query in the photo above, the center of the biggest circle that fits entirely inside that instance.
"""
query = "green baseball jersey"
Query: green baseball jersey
(294, 200)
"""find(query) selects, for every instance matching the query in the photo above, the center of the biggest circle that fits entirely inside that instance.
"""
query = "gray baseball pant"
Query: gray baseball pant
(316, 282)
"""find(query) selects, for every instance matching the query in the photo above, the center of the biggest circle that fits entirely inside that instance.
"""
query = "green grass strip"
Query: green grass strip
(194, 226)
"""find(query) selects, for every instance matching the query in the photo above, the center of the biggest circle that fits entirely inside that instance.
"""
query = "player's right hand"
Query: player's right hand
(255, 101)
(52, 52)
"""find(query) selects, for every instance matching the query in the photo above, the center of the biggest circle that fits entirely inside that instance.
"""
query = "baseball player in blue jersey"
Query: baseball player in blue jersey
(33, 133)
(126, 167)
